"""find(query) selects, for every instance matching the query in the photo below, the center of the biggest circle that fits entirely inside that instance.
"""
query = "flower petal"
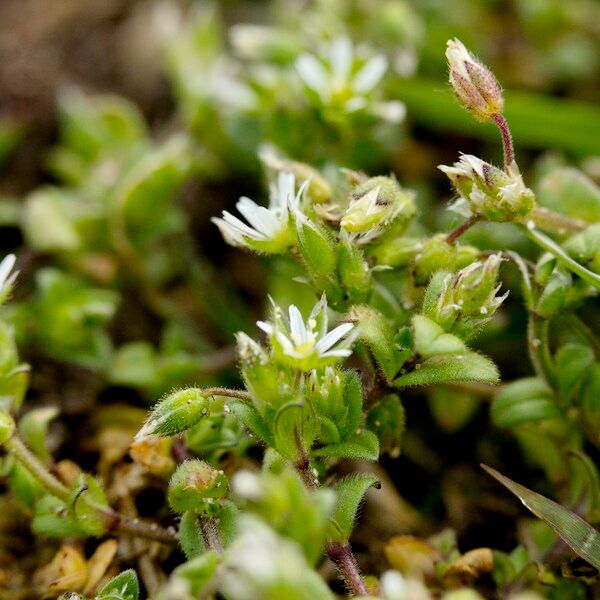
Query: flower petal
(333, 337)
(370, 74)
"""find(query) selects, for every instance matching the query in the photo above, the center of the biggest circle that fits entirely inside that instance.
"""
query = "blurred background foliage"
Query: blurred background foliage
(125, 125)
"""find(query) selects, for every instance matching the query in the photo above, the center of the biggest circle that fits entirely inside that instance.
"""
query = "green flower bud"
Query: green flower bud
(437, 254)
(375, 205)
(476, 88)
(7, 427)
(259, 373)
(469, 294)
(316, 247)
(176, 413)
(495, 194)
(194, 484)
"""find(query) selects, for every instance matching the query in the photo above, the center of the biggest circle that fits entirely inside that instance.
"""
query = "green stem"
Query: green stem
(538, 342)
(36, 468)
(555, 222)
(113, 520)
(549, 245)
(227, 393)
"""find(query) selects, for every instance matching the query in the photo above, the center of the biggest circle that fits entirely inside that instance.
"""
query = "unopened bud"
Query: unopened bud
(194, 484)
(476, 87)
(470, 293)
(176, 413)
(376, 204)
(495, 194)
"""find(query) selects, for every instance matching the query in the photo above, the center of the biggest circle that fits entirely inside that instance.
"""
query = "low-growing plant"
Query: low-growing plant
(383, 306)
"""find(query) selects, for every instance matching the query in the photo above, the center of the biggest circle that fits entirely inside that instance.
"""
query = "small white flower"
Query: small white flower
(339, 78)
(268, 229)
(307, 345)
(7, 277)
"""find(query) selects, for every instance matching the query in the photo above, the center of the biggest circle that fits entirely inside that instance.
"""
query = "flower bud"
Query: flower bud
(475, 86)
(175, 413)
(259, 373)
(470, 293)
(7, 427)
(375, 205)
(495, 194)
(193, 484)
(436, 254)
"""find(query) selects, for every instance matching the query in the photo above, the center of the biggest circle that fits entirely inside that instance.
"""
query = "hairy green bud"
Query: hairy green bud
(375, 205)
(194, 484)
(176, 413)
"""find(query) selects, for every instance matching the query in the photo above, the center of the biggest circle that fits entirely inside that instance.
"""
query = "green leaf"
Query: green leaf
(523, 401)
(190, 535)
(431, 340)
(316, 249)
(364, 445)
(124, 586)
(349, 493)
(294, 429)
(573, 361)
(33, 428)
(252, 419)
(387, 420)
(590, 404)
(569, 191)
(86, 502)
(469, 366)
(580, 536)
(198, 571)
(51, 518)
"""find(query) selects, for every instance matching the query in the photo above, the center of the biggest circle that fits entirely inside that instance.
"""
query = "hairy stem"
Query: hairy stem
(210, 535)
(114, 521)
(539, 348)
(227, 393)
(340, 554)
(555, 222)
(453, 236)
(507, 142)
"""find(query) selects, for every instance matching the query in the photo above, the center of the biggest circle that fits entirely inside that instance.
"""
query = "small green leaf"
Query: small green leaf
(349, 493)
(580, 536)
(316, 249)
(387, 420)
(364, 445)
(469, 366)
(523, 401)
(124, 586)
(252, 419)
(33, 427)
(295, 429)
(431, 340)
(573, 362)
(198, 571)
(190, 535)
(51, 518)
(86, 502)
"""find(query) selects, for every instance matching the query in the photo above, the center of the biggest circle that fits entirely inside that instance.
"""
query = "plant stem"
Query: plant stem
(555, 222)
(36, 468)
(539, 348)
(114, 521)
(549, 245)
(340, 554)
(227, 393)
(456, 233)
(210, 535)
(507, 142)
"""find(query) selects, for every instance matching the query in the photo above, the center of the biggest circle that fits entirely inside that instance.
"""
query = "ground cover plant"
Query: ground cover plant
(339, 384)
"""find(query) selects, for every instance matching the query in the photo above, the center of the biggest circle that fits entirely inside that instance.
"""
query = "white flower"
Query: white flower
(6, 277)
(307, 345)
(340, 79)
(268, 229)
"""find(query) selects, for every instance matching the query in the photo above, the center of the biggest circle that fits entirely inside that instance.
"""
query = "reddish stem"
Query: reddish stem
(456, 233)
(507, 142)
